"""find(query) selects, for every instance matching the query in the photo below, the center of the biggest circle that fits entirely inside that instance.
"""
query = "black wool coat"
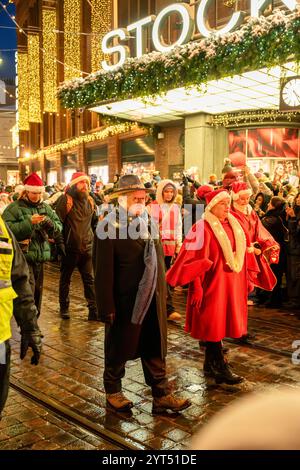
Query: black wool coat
(119, 267)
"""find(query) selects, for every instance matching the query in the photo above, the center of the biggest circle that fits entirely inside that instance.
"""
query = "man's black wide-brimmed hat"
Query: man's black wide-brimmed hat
(128, 184)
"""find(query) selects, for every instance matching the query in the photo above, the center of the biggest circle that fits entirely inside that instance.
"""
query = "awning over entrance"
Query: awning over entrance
(240, 70)
(255, 90)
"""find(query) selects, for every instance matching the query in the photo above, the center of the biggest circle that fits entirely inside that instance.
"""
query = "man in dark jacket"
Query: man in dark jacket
(274, 221)
(15, 298)
(131, 297)
(76, 209)
(33, 223)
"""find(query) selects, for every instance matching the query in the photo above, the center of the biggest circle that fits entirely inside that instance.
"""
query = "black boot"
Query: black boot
(93, 314)
(64, 314)
(217, 368)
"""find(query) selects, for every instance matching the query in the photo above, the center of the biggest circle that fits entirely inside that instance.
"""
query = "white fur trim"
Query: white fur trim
(34, 189)
(244, 209)
(234, 260)
(159, 190)
(80, 178)
(244, 192)
(218, 198)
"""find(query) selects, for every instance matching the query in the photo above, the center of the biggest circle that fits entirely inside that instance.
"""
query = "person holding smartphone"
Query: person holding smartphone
(33, 222)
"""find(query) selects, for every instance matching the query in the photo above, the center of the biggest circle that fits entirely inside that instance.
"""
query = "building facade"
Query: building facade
(8, 161)
(62, 40)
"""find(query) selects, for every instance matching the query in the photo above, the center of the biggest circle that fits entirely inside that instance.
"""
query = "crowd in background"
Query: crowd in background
(276, 201)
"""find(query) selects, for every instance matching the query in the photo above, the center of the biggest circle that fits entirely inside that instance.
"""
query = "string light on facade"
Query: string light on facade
(49, 60)
(23, 92)
(101, 20)
(231, 119)
(229, 3)
(84, 139)
(72, 50)
(34, 78)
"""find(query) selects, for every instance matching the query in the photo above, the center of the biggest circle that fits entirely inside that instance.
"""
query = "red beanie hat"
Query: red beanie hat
(238, 189)
(77, 177)
(214, 197)
(203, 190)
(34, 184)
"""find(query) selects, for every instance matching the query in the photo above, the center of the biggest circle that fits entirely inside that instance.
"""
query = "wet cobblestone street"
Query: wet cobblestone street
(71, 368)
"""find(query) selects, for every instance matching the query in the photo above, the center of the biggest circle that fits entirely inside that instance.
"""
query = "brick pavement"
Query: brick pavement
(71, 370)
(26, 425)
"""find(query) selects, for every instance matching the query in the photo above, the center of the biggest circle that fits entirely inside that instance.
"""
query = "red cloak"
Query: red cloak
(259, 270)
(222, 292)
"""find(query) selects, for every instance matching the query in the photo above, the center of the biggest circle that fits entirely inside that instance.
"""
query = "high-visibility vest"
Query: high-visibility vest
(7, 294)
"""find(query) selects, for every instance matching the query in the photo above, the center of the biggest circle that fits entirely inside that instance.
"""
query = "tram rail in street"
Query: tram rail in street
(65, 413)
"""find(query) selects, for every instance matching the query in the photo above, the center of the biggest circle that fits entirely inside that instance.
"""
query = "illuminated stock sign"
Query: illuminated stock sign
(111, 41)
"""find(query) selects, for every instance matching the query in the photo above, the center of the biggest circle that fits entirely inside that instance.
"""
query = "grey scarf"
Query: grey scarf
(147, 284)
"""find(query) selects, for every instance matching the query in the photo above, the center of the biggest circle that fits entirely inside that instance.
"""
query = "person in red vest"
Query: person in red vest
(167, 215)
(213, 261)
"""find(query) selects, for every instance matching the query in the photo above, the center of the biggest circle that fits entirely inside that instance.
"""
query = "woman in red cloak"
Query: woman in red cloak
(262, 248)
(212, 261)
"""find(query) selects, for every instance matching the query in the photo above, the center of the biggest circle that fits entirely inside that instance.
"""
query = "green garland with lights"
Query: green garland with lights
(261, 42)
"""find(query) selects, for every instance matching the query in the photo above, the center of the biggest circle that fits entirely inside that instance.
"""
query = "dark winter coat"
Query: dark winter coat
(78, 223)
(18, 218)
(274, 222)
(294, 231)
(119, 267)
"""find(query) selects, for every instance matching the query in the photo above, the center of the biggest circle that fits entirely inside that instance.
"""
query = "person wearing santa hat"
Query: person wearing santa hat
(33, 223)
(212, 260)
(77, 210)
(262, 247)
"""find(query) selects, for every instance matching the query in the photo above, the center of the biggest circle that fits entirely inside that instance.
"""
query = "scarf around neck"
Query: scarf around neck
(234, 260)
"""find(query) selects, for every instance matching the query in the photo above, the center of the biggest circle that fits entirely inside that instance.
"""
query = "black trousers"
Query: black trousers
(4, 378)
(154, 369)
(36, 279)
(82, 261)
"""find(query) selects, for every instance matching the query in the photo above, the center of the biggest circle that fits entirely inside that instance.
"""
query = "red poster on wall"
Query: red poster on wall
(275, 143)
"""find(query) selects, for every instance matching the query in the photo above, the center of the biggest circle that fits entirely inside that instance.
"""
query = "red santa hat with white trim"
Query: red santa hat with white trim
(214, 197)
(240, 189)
(34, 184)
(77, 177)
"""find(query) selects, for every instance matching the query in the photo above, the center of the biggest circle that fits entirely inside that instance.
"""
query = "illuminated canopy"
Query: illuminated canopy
(248, 91)
(238, 70)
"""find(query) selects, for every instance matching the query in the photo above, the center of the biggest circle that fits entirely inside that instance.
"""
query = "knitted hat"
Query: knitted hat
(204, 190)
(77, 177)
(240, 189)
(34, 183)
(214, 197)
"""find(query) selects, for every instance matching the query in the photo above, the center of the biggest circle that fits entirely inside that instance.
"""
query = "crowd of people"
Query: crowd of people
(232, 242)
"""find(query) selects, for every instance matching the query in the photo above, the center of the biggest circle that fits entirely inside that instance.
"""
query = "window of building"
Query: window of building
(138, 155)
(97, 163)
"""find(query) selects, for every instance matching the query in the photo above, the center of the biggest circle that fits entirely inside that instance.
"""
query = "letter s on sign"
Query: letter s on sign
(122, 50)
(296, 354)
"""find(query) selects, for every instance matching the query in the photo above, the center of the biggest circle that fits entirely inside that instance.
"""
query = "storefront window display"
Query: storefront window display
(138, 156)
(51, 171)
(13, 177)
(274, 150)
(51, 177)
(97, 163)
(70, 163)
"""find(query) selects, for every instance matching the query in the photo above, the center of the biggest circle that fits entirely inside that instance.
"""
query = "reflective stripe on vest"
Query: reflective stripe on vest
(7, 294)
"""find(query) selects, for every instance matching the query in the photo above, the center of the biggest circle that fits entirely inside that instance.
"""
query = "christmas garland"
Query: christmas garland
(260, 42)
